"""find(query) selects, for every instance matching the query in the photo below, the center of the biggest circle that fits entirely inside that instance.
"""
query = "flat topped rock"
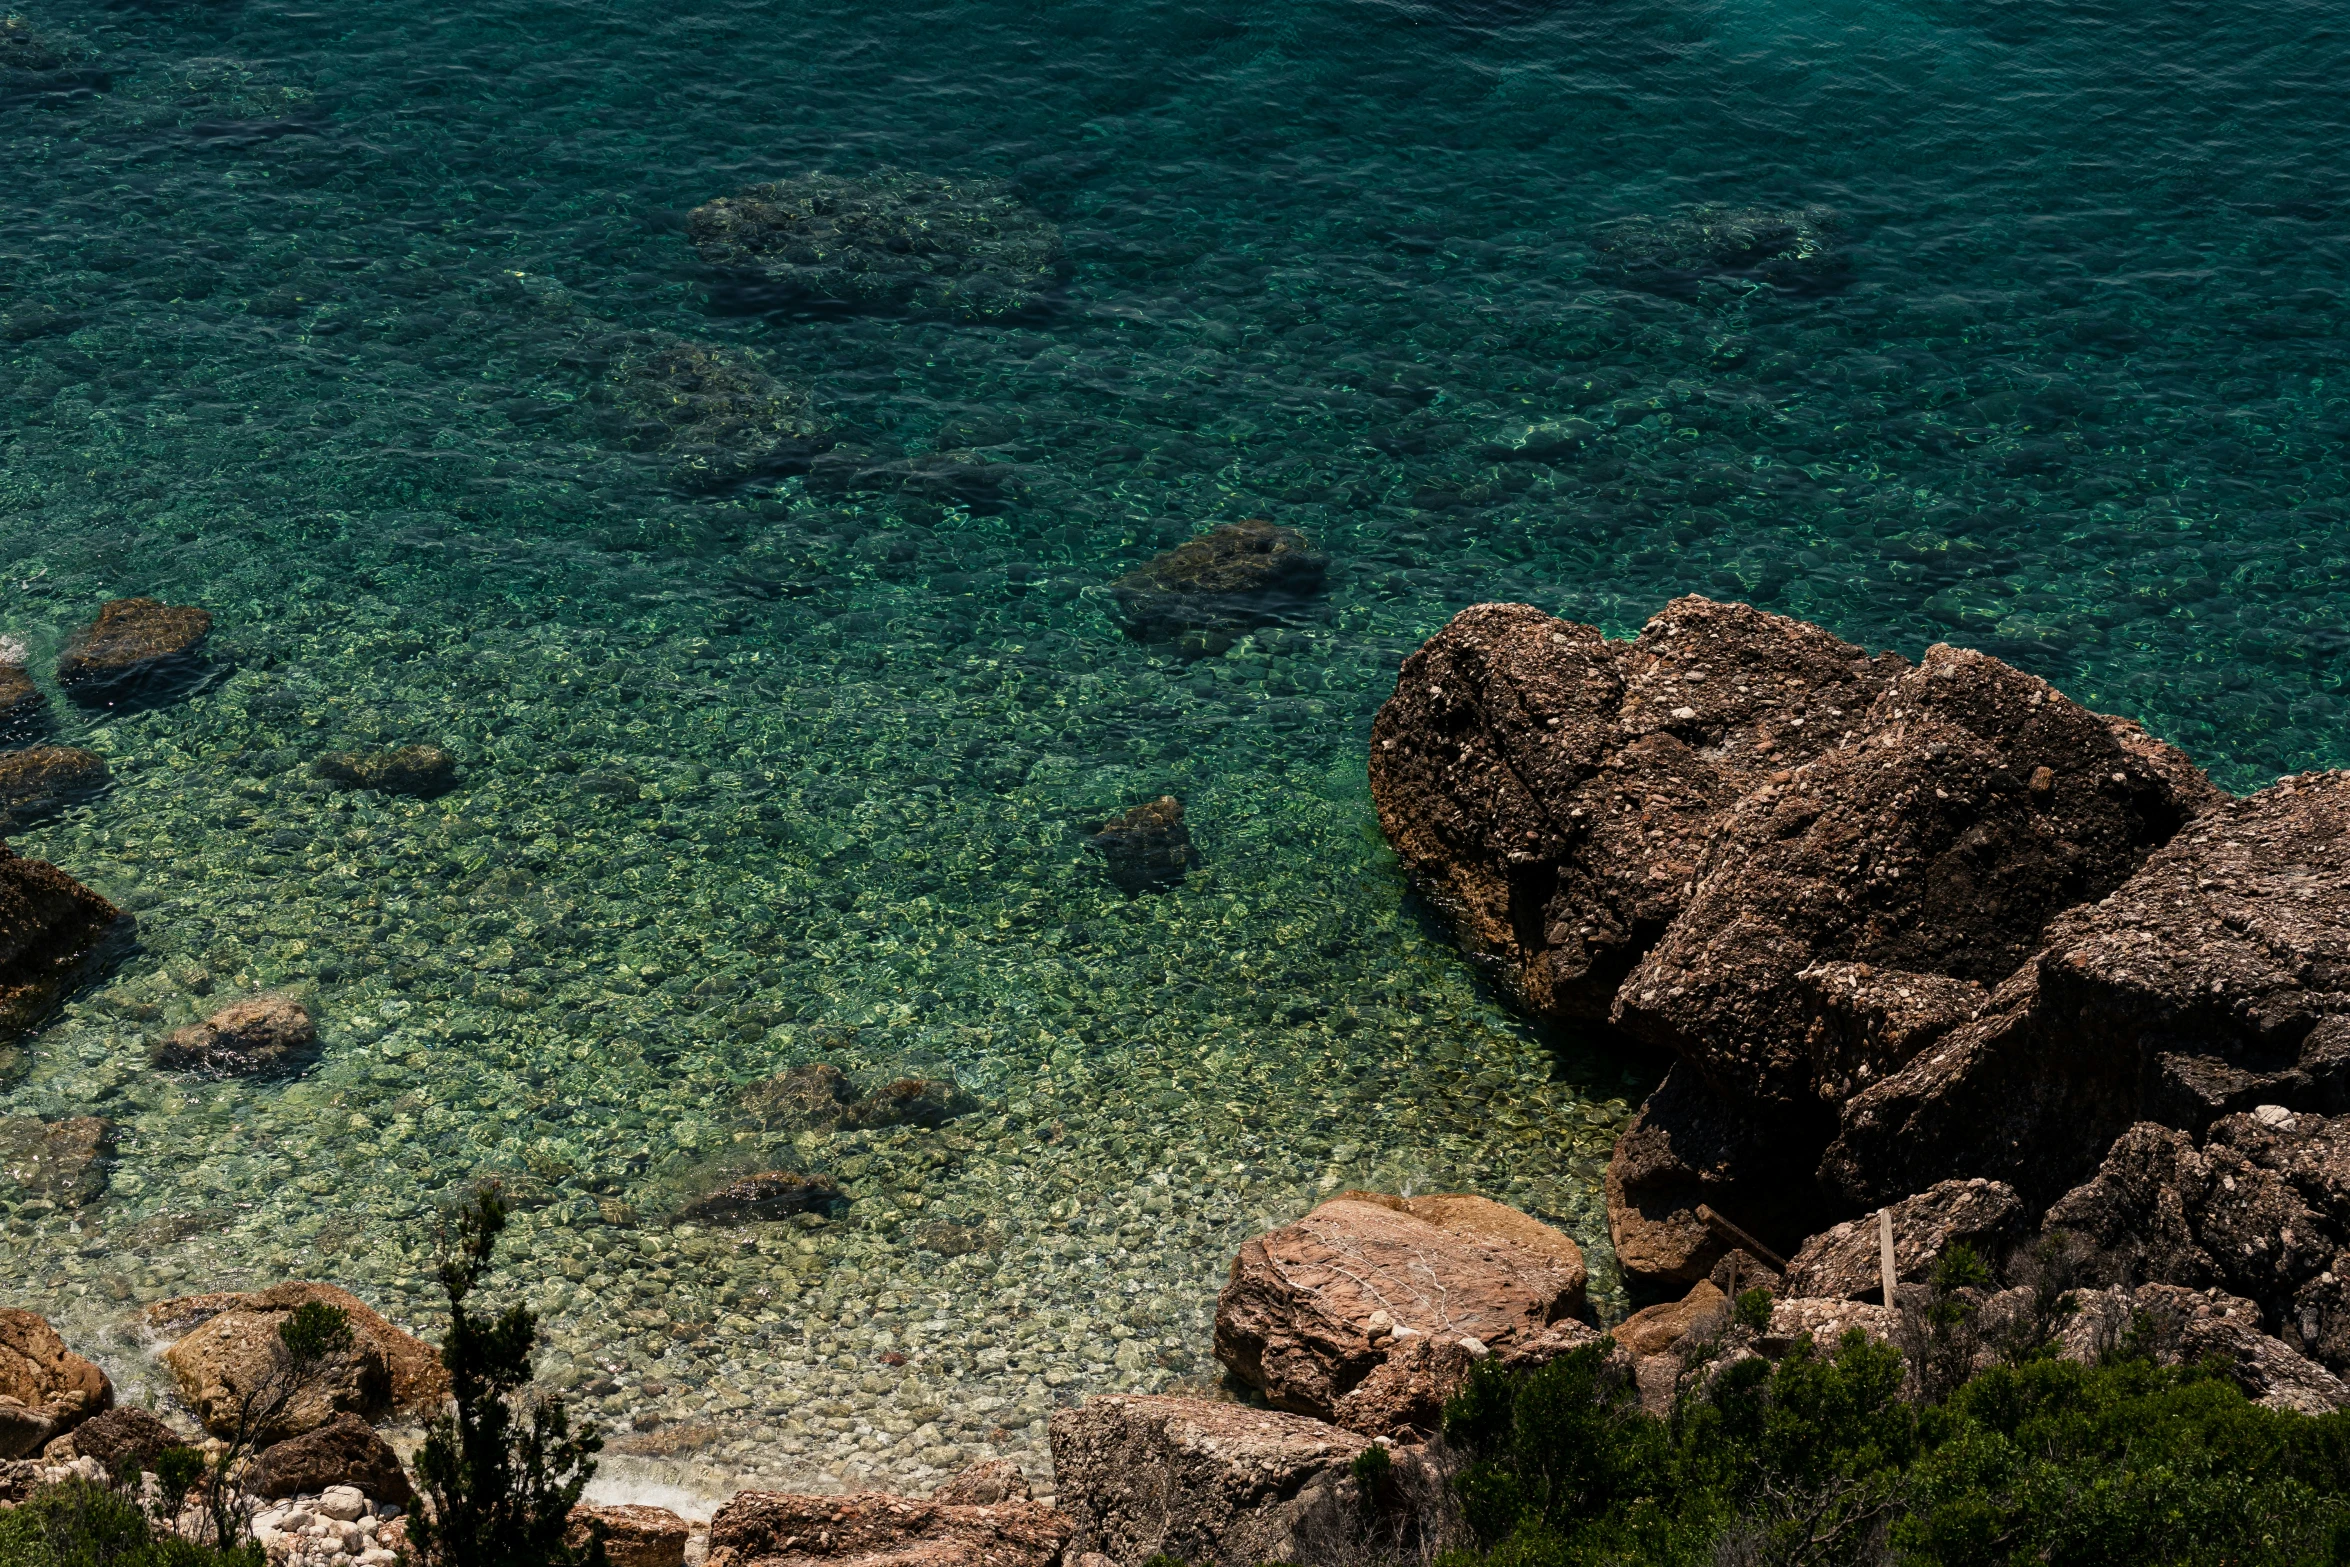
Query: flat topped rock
(49, 925)
(38, 782)
(876, 1529)
(230, 1343)
(1221, 585)
(1329, 1315)
(258, 1035)
(45, 1389)
(132, 647)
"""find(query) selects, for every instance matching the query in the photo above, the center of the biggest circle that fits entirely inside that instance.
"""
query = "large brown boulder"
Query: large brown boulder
(1689, 1151)
(875, 1529)
(134, 647)
(125, 1437)
(1846, 1262)
(344, 1451)
(1972, 804)
(1334, 1316)
(230, 1348)
(45, 1389)
(2215, 979)
(1222, 585)
(1551, 791)
(63, 1162)
(51, 927)
(1212, 1484)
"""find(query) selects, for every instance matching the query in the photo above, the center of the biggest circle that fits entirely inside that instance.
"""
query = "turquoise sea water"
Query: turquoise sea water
(292, 306)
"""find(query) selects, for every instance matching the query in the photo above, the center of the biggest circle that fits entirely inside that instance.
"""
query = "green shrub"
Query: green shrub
(78, 1523)
(1820, 1460)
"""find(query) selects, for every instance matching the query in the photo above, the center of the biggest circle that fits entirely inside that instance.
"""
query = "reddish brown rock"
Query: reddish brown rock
(122, 1438)
(37, 783)
(134, 646)
(1551, 791)
(1212, 1484)
(63, 1162)
(344, 1451)
(1971, 804)
(874, 1529)
(21, 705)
(1704, 1311)
(45, 1389)
(1146, 847)
(51, 928)
(2216, 979)
(1315, 1312)
(230, 1346)
(772, 1194)
(259, 1035)
(633, 1536)
(1220, 586)
(988, 1483)
(1846, 1262)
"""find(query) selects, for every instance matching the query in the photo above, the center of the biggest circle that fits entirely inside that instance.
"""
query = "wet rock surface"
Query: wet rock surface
(1147, 846)
(59, 1162)
(1845, 1263)
(778, 1529)
(259, 1035)
(37, 783)
(714, 411)
(45, 1389)
(773, 1194)
(344, 1451)
(229, 1343)
(1195, 1481)
(1790, 248)
(22, 707)
(1329, 1316)
(1214, 589)
(962, 249)
(424, 771)
(50, 927)
(136, 649)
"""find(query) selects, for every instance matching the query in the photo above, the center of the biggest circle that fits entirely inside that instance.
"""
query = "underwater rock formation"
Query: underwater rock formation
(967, 250)
(772, 1194)
(249, 1038)
(228, 1344)
(1147, 846)
(959, 478)
(45, 1389)
(37, 783)
(22, 706)
(424, 771)
(51, 926)
(819, 1096)
(135, 648)
(1672, 253)
(1213, 590)
(23, 49)
(714, 411)
(63, 1162)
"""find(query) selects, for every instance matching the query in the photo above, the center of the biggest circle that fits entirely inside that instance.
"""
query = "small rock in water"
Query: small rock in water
(714, 410)
(820, 1096)
(50, 926)
(243, 1039)
(1673, 253)
(21, 706)
(63, 1162)
(38, 783)
(772, 1194)
(1213, 590)
(135, 647)
(1148, 846)
(420, 770)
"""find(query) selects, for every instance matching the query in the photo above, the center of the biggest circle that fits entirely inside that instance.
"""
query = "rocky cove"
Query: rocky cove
(1925, 954)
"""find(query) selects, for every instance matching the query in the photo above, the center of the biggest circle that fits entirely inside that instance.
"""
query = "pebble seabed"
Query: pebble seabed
(756, 776)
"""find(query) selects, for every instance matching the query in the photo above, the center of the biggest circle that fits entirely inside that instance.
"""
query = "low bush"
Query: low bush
(78, 1523)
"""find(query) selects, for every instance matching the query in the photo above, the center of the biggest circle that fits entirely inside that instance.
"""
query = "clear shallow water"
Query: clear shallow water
(289, 316)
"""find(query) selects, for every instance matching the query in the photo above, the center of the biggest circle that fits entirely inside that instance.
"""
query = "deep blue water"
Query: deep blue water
(291, 306)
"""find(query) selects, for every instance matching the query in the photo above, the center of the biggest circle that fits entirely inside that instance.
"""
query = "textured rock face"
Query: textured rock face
(63, 1162)
(2181, 1326)
(1222, 585)
(126, 1437)
(778, 1529)
(1826, 1321)
(714, 411)
(1551, 791)
(1146, 847)
(1200, 1482)
(259, 1035)
(36, 784)
(1334, 1316)
(966, 250)
(1656, 1329)
(45, 1389)
(344, 1451)
(1689, 1148)
(135, 647)
(49, 925)
(230, 1344)
(424, 771)
(2216, 979)
(1973, 804)
(1845, 1263)
(633, 1536)
(985, 1484)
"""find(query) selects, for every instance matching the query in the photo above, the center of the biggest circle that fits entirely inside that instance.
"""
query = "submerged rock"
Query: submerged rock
(875, 1529)
(262, 1034)
(23, 49)
(22, 707)
(772, 1194)
(63, 1162)
(37, 783)
(1334, 1316)
(1218, 587)
(230, 1345)
(960, 478)
(344, 1451)
(713, 410)
(819, 1096)
(963, 249)
(909, 1101)
(1147, 846)
(135, 648)
(45, 1389)
(420, 770)
(1672, 253)
(127, 1436)
(52, 929)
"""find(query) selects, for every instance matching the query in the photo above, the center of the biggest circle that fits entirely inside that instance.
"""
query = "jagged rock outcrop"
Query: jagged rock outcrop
(45, 1389)
(1366, 1311)
(228, 1345)
(51, 929)
(2179, 1326)
(1845, 1262)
